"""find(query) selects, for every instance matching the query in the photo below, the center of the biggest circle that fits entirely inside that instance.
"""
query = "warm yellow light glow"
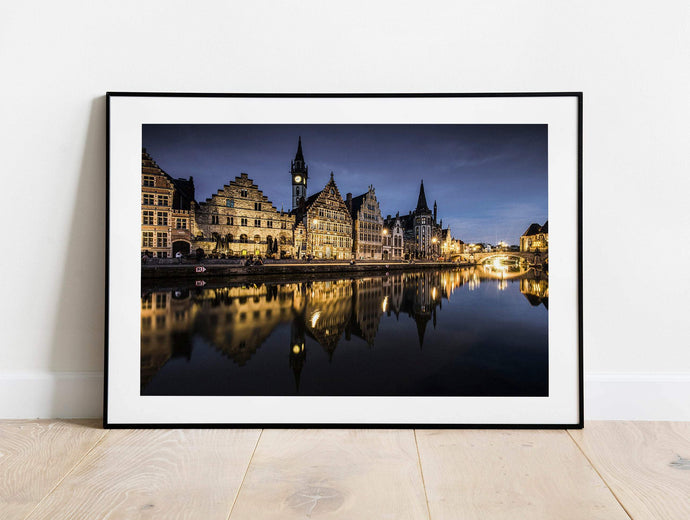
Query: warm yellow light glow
(315, 318)
(433, 240)
(433, 293)
(384, 305)
(296, 349)
(385, 231)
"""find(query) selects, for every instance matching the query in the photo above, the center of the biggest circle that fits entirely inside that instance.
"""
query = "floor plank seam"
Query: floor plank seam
(596, 470)
(421, 473)
(68, 473)
(246, 471)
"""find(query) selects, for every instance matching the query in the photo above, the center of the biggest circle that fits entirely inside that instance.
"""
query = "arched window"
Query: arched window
(243, 239)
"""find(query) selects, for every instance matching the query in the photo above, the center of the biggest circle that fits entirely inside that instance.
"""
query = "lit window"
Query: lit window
(147, 239)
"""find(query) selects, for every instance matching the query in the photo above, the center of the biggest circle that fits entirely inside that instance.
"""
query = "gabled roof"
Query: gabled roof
(533, 229)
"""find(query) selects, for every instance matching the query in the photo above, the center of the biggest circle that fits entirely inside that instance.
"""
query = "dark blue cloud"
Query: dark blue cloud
(490, 181)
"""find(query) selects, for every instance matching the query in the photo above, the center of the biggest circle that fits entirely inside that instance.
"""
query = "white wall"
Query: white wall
(57, 59)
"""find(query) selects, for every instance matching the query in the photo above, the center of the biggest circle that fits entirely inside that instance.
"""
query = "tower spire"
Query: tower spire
(299, 156)
(421, 201)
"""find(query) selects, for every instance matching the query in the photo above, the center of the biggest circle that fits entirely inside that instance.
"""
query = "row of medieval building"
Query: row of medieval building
(239, 220)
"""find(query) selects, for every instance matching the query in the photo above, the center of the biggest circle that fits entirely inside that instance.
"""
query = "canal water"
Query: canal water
(479, 331)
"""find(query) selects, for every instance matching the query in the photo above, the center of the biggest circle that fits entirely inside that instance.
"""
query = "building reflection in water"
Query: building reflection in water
(237, 320)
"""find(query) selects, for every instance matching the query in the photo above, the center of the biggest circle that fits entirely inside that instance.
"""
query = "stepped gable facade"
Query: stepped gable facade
(239, 220)
(327, 224)
(367, 224)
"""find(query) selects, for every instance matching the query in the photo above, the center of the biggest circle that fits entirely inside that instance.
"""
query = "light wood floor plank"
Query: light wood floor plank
(344, 474)
(35, 455)
(519, 474)
(646, 465)
(170, 474)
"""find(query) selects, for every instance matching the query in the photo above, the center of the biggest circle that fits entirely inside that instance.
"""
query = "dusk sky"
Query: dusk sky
(489, 181)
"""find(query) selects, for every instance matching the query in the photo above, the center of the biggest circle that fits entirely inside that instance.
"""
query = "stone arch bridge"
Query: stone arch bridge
(531, 258)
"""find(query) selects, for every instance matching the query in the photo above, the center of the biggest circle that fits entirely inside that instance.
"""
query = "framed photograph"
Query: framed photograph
(342, 260)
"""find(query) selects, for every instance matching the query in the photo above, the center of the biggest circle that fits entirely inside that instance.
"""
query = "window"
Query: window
(230, 221)
(163, 200)
(257, 222)
(147, 239)
(162, 218)
(147, 218)
(269, 223)
(244, 221)
(148, 199)
(257, 239)
(148, 181)
(162, 254)
(230, 203)
(283, 225)
(257, 206)
(243, 193)
(161, 240)
(181, 223)
(161, 300)
(214, 219)
(146, 302)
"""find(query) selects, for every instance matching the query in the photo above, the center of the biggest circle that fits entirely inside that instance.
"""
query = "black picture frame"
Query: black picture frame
(108, 397)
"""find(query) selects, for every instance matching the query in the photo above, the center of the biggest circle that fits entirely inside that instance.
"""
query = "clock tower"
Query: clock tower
(299, 173)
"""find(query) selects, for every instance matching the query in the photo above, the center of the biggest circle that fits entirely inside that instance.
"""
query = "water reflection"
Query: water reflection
(377, 320)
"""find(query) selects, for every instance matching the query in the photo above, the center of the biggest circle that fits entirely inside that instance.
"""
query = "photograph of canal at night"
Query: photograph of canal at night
(344, 260)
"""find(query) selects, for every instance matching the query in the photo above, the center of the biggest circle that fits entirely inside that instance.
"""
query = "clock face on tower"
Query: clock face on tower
(298, 178)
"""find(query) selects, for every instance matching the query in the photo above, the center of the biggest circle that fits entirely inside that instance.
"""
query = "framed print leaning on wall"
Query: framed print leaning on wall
(397, 260)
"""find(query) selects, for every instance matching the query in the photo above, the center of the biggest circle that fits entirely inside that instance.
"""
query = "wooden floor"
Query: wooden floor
(610, 470)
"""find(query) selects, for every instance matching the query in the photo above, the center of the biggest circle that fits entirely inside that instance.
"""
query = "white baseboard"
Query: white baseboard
(608, 396)
(47, 395)
(637, 397)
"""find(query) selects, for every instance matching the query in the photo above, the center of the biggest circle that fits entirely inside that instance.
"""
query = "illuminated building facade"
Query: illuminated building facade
(535, 239)
(166, 218)
(393, 238)
(239, 220)
(367, 225)
(327, 224)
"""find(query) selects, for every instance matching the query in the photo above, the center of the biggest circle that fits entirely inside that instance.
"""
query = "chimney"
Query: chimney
(348, 201)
